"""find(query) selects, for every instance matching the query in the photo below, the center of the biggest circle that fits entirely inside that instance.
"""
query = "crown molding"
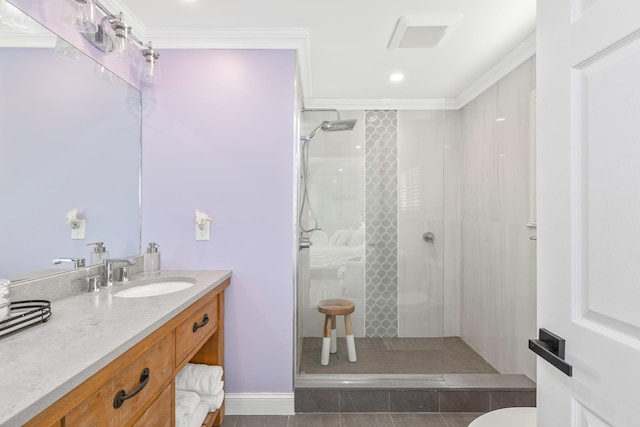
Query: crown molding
(297, 39)
(381, 104)
(518, 55)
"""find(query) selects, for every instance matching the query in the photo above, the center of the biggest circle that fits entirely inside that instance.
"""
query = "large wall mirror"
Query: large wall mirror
(69, 139)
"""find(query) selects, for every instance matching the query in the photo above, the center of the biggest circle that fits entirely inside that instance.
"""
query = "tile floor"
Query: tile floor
(353, 420)
(448, 355)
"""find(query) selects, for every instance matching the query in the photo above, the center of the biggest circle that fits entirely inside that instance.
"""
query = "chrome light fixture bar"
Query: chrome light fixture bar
(113, 36)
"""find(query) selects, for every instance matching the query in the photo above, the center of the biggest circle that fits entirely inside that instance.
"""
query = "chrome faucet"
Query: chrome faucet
(107, 271)
(77, 262)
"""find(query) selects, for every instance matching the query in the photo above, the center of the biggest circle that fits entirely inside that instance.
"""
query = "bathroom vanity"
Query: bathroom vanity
(70, 370)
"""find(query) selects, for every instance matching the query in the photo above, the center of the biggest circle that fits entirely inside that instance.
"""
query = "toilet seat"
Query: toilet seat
(507, 417)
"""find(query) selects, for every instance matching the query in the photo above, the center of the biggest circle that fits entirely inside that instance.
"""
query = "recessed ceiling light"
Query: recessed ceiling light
(340, 170)
(396, 77)
(501, 119)
(358, 147)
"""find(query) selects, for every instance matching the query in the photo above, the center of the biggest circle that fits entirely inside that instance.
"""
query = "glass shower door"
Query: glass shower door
(373, 192)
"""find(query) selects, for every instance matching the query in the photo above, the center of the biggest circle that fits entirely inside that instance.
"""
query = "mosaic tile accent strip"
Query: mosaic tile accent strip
(381, 214)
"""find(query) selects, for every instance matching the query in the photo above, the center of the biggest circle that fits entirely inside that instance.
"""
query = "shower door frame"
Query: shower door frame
(346, 380)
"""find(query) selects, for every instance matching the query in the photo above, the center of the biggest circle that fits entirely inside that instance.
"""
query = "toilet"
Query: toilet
(507, 417)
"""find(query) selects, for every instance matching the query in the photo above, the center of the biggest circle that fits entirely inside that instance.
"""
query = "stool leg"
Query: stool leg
(326, 341)
(351, 344)
(334, 341)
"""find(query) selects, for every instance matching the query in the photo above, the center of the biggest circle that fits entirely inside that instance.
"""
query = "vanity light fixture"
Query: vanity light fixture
(150, 58)
(112, 35)
(122, 46)
(84, 19)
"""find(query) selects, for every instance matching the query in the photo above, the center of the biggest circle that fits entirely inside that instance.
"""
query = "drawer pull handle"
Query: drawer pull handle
(197, 325)
(121, 396)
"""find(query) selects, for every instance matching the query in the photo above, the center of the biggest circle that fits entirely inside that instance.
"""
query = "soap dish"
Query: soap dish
(25, 313)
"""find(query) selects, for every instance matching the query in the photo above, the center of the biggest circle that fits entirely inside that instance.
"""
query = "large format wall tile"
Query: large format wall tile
(428, 273)
(498, 293)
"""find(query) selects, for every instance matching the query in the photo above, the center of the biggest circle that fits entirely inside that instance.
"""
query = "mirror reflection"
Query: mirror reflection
(69, 155)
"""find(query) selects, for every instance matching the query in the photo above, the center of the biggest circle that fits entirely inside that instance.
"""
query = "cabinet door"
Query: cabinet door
(100, 405)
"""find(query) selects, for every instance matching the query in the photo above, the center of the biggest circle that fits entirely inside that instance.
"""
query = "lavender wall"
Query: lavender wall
(218, 135)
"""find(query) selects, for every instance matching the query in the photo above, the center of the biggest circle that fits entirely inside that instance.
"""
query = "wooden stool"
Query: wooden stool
(332, 308)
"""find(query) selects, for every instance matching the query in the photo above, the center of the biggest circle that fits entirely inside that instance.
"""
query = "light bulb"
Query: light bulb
(150, 58)
(149, 67)
(122, 48)
(84, 19)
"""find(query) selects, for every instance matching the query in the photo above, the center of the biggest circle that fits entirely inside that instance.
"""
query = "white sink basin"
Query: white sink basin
(160, 287)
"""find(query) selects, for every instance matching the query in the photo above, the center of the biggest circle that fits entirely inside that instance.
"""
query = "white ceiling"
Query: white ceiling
(343, 44)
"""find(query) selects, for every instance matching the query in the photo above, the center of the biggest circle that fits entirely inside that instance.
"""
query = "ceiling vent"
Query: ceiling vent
(423, 31)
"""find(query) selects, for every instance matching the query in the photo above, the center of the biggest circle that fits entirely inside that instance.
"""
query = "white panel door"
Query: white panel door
(588, 180)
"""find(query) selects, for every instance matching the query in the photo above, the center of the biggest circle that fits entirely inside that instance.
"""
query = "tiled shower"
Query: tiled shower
(464, 177)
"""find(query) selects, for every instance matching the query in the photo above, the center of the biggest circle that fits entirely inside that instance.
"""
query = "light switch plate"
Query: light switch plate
(202, 234)
(79, 233)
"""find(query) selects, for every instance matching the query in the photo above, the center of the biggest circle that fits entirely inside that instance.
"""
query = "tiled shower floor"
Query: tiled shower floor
(448, 355)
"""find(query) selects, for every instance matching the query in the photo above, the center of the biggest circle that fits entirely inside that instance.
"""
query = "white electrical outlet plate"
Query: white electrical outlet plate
(202, 234)
(79, 233)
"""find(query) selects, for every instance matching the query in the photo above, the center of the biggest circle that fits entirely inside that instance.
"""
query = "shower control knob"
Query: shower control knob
(428, 237)
(305, 243)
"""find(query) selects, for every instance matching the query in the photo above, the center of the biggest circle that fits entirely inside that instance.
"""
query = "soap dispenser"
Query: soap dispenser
(99, 253)
(152, 260)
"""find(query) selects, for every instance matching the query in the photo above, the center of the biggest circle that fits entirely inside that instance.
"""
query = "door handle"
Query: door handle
(551, 348)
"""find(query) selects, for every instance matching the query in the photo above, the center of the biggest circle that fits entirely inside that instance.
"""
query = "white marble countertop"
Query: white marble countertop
(42, 363)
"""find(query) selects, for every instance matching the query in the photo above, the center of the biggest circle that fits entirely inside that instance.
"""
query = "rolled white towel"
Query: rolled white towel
(203, 379)
(219, 388)
(186, 404)
(214, 402)
(198, 416)
(182, 416)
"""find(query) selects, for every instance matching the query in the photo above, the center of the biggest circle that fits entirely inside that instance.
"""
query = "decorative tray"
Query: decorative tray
(25, 313)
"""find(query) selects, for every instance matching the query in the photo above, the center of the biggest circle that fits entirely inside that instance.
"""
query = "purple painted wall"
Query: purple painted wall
(218, 135)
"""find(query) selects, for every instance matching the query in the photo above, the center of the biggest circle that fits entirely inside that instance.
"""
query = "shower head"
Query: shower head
(332, 126)
(338, 125)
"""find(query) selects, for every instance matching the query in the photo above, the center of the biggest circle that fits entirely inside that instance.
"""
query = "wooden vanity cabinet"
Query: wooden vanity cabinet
(195, 335)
